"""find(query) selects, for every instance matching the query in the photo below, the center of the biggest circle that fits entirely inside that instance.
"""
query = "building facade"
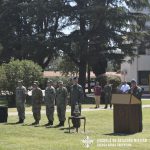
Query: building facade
(139, 69)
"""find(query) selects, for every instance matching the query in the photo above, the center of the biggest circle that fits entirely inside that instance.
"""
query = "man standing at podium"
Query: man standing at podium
(137, 92)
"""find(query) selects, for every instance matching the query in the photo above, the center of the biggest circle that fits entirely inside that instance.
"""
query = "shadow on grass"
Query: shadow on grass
(66, 128)
(67, 132)
(11, 123)
(31, 125)
(119, 134)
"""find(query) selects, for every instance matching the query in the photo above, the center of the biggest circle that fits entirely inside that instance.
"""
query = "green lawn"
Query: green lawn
(3, 102)
(99, 127)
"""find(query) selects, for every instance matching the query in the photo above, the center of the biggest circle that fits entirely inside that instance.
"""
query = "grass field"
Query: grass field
(144, 102)
(99, 128)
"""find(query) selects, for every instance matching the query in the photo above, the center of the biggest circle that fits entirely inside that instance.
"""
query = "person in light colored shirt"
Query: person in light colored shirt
(125, 87)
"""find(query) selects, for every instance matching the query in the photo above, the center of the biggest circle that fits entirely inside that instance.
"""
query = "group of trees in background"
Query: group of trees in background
(88, 32)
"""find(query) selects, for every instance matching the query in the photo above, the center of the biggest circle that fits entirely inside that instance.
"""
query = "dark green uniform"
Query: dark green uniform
(61, 102)
(137, 92)
(37, 97)
(76, 97)
(20, 101)
(50, 102)
(108, 94)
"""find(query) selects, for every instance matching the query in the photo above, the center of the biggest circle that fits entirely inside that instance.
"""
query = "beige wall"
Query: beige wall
(140, 63)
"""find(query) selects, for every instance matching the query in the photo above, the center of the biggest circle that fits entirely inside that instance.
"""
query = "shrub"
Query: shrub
(25, 70)
(15, 70)
(114, 80)
(3, 79)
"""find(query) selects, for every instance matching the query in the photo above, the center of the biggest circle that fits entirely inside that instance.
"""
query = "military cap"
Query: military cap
(20, 81)
(60, 82)
(133, 81)
(35, 83)
(49, 81)
(75, 78)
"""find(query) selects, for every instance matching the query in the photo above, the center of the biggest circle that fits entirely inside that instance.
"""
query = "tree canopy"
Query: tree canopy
(100, 30)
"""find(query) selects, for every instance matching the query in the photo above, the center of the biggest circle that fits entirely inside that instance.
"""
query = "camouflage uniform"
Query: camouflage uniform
(76, 97)
(50, 102)
(37, 97)
(20, 101)
(108, 94)
(61, 102)
(137, 92)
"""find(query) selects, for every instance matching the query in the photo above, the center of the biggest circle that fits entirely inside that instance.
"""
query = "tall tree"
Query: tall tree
(29, 29)
(102, 30)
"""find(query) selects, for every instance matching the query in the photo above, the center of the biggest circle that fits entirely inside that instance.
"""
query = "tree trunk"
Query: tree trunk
(82, 74)
(89, 79)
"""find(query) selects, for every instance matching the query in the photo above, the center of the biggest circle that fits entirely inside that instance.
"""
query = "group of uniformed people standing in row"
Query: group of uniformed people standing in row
(52, 95)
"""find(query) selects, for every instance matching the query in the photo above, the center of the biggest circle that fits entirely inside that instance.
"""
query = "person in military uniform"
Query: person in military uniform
(61, 103)
(76, 97)
(21, 93)
(108, 94)
(37, 97)
(137, 92)
(50, 94)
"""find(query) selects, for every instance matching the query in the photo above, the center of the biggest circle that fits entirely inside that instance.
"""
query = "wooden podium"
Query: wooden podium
(127, 113)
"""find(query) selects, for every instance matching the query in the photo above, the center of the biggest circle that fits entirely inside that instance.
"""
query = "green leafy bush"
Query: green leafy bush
(114, 80)
(15, 70)
(3, 79)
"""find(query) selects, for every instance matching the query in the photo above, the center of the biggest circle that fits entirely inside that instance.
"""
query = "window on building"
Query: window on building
(141, 52)
(144, 77)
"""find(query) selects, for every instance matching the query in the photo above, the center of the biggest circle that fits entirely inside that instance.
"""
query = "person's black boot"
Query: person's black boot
(60, 124)
(20, 121)
(50, 123)
(35, 123)
(105, 107)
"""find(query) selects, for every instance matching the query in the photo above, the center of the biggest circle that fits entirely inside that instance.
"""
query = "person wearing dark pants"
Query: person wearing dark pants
(50, 94)
(108, 94)
(37, 97)
(61, 102)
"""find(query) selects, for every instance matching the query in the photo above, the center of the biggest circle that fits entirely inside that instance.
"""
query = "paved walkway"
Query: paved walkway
(68, 110)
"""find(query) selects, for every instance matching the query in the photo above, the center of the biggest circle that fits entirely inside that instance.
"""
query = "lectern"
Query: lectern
(3, 114)
(127, 113)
